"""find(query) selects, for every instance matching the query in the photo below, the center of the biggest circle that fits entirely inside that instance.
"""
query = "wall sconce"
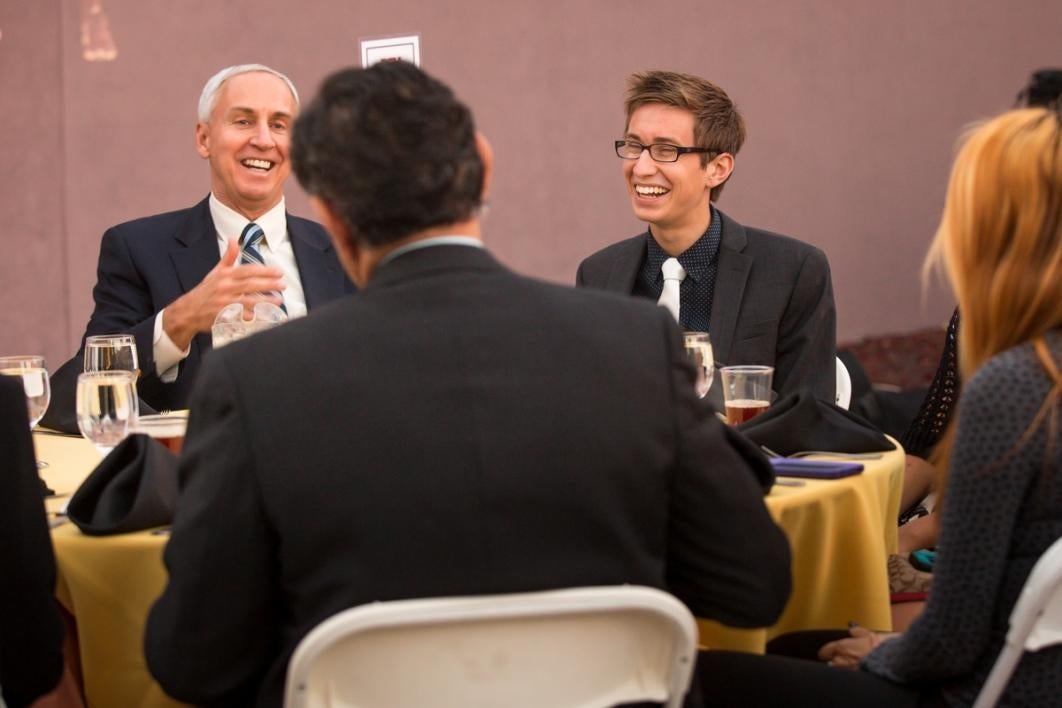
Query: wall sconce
(97, 44)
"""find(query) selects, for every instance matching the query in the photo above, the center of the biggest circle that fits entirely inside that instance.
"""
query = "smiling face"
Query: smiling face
(246, 142)
(672, 197)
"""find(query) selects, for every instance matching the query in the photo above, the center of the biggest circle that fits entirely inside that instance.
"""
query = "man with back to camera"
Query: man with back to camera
(763, 298)
(460, 429)
(160, 277)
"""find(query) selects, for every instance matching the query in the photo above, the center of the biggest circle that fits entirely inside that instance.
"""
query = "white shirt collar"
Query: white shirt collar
(230, 223)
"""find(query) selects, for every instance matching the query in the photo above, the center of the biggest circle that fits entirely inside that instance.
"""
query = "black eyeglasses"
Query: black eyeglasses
(661, 152)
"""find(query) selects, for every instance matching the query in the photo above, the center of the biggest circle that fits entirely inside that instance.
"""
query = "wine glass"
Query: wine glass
(34, 380)
(107, 407)
(699, 352)
(111, 352)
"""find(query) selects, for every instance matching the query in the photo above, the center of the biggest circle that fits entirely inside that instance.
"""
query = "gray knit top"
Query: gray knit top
(1002, 509)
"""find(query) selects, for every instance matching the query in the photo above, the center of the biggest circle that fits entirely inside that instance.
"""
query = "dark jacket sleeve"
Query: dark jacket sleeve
(727, 559)
(204, 645)
(807, 338)
(31, 630)
(124, 303)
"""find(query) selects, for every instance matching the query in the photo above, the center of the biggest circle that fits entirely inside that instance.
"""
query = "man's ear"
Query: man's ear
(346, 247)
(202, 140)
(486, 156)
(718, 170)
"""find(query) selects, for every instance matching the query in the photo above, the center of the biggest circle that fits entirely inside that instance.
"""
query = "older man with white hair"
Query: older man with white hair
(164, 278)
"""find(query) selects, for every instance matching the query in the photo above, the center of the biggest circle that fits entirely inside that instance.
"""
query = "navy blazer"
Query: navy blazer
(148, 263)
(772, 304)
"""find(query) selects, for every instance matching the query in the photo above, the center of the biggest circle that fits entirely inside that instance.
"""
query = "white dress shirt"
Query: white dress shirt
(276, 251)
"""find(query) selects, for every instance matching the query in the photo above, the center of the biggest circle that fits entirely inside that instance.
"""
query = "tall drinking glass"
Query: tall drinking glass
(111, 352)
(746, 391)
(107, 407)
(699, 352)
(30, 369)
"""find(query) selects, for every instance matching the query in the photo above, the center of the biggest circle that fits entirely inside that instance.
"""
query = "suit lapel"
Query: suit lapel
(625, 265)
(200, 255)
(731, 277)
(322, 278)
(192, 263)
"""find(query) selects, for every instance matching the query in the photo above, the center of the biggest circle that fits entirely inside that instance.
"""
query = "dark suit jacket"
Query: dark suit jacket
(772, 304)
(148, 263)
(455, 429)
(31, 630)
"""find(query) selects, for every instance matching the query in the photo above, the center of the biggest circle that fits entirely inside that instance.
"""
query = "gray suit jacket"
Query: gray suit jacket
(772, 305)
(411, 442)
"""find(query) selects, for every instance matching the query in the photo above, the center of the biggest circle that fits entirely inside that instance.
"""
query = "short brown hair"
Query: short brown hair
(717, 124)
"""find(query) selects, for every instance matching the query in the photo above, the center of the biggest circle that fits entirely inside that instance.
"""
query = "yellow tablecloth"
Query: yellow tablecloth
(841, 532)
(107, 583)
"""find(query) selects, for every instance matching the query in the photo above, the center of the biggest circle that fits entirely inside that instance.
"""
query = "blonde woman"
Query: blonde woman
(1000, 241)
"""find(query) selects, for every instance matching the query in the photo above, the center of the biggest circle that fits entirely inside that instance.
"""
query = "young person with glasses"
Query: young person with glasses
(763, 298)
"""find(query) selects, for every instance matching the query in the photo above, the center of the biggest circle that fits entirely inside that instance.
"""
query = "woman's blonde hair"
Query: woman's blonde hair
(1000, 239)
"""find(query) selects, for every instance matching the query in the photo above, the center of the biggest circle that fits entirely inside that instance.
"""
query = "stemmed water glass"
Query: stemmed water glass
(107, 407)
(34, 380)
(30, 368)
(111, 352)
(699, 352)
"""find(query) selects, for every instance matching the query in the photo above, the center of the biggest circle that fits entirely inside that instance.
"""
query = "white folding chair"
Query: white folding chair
(844, 385)
(1035, 622)
(583, 647)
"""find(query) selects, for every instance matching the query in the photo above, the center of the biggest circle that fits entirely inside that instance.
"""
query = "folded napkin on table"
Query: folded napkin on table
(801, 422)
(133, 488)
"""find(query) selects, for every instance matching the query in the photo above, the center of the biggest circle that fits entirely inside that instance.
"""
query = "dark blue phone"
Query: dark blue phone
(814, 469)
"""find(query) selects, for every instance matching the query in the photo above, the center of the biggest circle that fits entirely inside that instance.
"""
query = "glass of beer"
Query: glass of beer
(168, 429)
(746, 391)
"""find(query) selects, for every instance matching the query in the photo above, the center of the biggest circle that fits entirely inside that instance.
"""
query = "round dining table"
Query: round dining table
(840, 532)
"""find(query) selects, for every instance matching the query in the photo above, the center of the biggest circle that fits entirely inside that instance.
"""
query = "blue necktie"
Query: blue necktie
(250, 238)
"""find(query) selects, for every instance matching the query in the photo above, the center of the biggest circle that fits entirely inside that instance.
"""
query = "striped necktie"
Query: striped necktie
(250, 238)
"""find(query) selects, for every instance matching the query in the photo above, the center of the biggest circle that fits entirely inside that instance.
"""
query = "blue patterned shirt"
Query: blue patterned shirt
(701, 261)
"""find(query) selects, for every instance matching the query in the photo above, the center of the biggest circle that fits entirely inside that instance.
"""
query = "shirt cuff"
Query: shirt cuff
(167, 355)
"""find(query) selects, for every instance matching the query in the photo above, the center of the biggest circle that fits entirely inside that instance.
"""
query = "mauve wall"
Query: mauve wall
(852, 109)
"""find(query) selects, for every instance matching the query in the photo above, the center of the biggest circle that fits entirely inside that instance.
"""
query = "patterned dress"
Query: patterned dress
(1002, 509)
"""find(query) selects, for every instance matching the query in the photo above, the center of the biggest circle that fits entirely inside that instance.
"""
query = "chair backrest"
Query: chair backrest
(1035, 622)
(584, 647)
(844, 385)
